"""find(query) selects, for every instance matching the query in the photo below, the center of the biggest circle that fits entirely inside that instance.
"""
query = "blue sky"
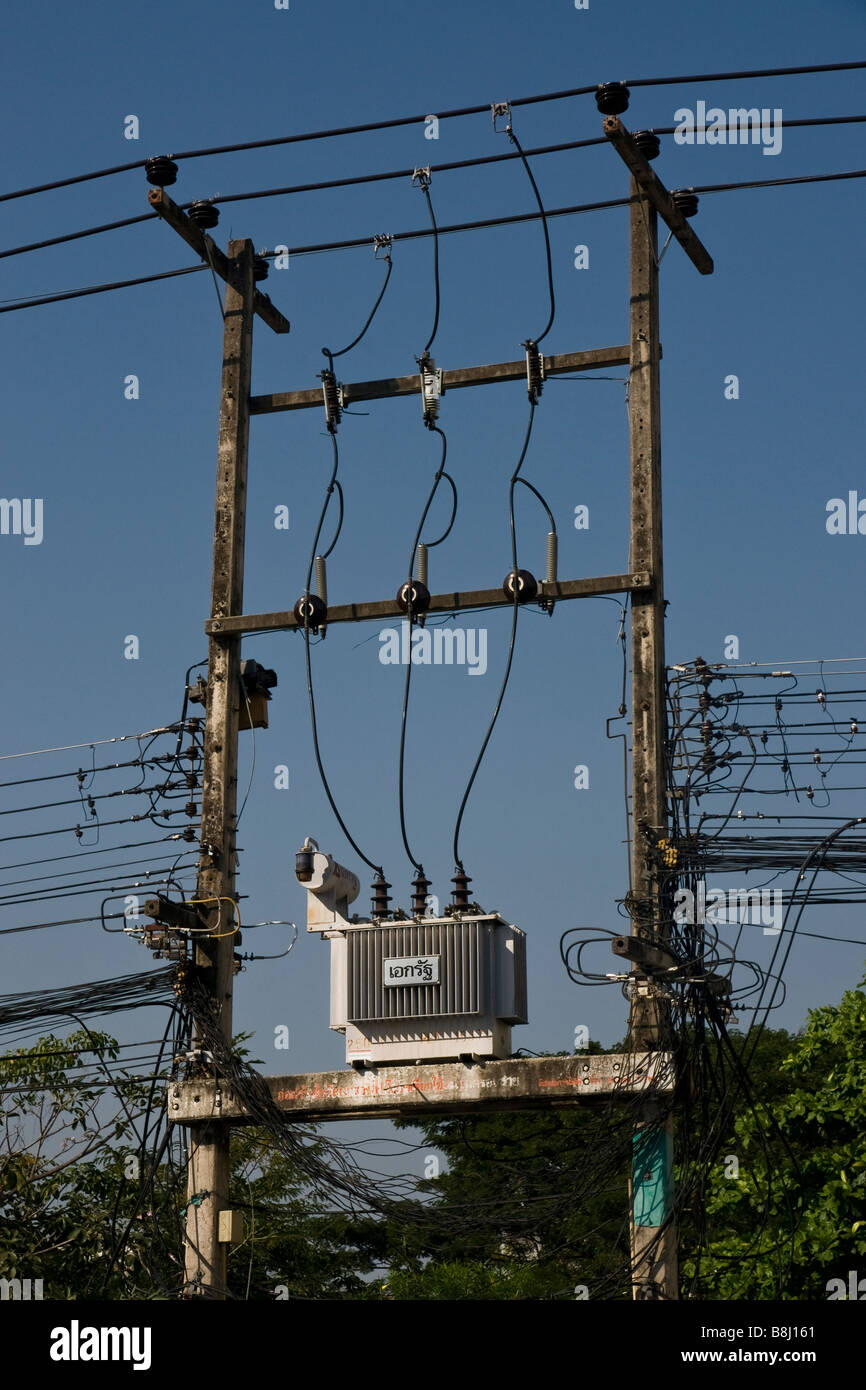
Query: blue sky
(127, 486)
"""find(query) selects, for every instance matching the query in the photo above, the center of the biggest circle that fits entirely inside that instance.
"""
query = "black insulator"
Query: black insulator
(331, 397)
(534, 370)
(188, 833)
(647, 142)
(611, 98)
(191, 809)
(304, 864)
(460, 896)
(420, 886)
(310, 612)
(415, 595)
(526, 586)
(685, 201)
(260, 268)
(204, 215)
(381, 896)
(160, 171)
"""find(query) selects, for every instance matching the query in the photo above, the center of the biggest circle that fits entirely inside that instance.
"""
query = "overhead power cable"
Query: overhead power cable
(389, 174)
(456, 112)
(8, 307)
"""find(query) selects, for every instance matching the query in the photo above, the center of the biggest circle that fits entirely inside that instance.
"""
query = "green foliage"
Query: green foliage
(795, 1217)
(529, 1206)
(64, 1190)
(296, 1245)
(455, 1281)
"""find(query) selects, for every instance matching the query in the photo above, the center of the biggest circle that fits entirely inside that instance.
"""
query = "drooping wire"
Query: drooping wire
(422, 177)
(331, 488)
(355, 341)
(515, 478)
(440, 474)
(517, 145)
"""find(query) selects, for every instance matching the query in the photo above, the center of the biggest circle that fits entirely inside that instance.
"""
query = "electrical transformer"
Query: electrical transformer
(415, 989)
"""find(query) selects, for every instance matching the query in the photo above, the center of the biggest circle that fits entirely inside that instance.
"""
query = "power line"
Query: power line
(420, 232)
(456, 112)
(354, 180)
(95, 289)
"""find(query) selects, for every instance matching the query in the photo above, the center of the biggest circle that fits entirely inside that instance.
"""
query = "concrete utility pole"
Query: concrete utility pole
(216, 898)
(653, 1232)
(208, 1172)
(653, 1229)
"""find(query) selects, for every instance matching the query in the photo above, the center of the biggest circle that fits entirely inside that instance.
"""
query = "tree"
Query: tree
(794, 1217)
(95, 1213)
(70, 1173)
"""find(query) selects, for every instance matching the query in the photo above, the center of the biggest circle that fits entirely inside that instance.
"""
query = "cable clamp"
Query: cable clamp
(382, 242)
(421, 178)
(501, 110)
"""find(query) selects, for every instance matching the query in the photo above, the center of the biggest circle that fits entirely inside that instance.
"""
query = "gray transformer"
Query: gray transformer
(420, 989)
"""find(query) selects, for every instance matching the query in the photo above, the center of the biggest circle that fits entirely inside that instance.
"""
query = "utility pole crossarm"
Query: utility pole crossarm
(651, 185)
(438, 1088)
(455, 602)
(207, 248)
(589, 360)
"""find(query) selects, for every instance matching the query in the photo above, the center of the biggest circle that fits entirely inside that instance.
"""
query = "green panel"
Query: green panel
(652, 1173)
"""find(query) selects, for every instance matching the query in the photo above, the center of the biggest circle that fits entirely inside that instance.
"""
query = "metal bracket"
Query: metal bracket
(498, 111)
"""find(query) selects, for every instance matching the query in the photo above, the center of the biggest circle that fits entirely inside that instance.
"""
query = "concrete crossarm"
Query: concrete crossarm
(520, 1083)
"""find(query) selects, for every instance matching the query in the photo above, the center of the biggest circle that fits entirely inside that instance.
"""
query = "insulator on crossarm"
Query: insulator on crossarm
(552, 556)
(431, 389)
(204, 214)
(322, 585)
(552, 565)
(413, 596)
(310, 612)
(611, 98)
(161, 171)
(534, 370)
(322, 579)
(333, 397)
(421, 563)
(521, 581)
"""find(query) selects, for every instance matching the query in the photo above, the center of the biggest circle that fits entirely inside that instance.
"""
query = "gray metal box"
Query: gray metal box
(425, 989)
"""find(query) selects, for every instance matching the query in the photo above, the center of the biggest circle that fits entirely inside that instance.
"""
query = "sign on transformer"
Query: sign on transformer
(415, 989)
